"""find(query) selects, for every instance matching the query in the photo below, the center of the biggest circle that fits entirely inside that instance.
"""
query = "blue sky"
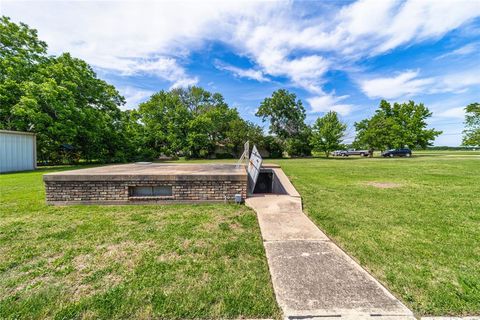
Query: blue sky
(344, 56)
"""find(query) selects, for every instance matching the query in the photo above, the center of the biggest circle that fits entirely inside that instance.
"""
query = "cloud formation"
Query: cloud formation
(327, 102)
(409, 84)
(242, 73)
(281, 39)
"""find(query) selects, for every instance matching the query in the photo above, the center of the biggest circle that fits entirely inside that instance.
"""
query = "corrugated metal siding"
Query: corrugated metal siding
(17, 151)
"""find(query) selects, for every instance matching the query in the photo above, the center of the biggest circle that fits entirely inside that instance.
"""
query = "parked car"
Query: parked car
(353, 152)
(397, 153)
(337, 153)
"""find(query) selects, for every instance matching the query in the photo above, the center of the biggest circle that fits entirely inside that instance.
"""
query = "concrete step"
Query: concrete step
(274, 203)
(288, 226)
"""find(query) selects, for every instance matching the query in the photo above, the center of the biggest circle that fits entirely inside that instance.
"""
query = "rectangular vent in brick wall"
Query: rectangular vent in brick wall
(150, 191)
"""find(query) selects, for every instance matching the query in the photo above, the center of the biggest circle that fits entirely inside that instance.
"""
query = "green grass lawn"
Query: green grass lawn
(413, 223)
(420, 236)
(177, 261)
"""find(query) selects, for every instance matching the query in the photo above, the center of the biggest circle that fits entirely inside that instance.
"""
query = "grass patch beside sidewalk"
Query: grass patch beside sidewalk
(175, 261)
(414, 223)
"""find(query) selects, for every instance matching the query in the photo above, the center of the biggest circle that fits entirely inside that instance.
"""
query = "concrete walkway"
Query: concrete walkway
(312, 277)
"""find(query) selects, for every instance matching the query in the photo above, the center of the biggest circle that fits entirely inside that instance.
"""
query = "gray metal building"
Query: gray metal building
(18, 151)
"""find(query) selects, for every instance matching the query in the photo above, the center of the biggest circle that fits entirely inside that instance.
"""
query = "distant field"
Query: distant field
(447, 153)
(91, 262)
(440, 153)
(413, 223)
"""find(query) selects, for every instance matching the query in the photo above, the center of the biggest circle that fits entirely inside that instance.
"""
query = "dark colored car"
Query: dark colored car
(397, 153)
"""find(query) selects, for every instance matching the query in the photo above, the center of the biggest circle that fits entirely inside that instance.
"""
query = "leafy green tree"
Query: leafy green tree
(274, 146)
(374, 133)
(286, 115)
(198, 100)
(472, 125)
(239, 132)
(59, 98)
(396, 126)
(166, 121)
(20, 54)
(133, 135)
(64, 103)
(193, 122)
(299, 145)
(328, 132)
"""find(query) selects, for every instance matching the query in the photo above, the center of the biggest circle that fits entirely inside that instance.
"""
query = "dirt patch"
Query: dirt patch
(383, 185)
(171, 256)
(28, 285)
(82, 262)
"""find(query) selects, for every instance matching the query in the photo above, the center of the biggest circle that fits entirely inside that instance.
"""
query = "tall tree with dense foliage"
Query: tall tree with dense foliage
(327, 133)
(20, 54)
(286, 115)
(396, 126)
(73, 113)
(166, 119)
(195, 123)
(471, 134)
(239, 132)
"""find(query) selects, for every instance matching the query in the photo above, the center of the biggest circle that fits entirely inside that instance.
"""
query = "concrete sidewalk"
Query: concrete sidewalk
(311, 276)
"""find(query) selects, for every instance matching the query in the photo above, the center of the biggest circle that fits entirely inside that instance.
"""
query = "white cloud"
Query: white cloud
(458, 82)
(134, 96)
(270, 42)
(156, 37)
(462, 51)
(242, 73)
(162, 67)
(456, 113)
(404, 84)
(379, 26)
(129, 36)
(409, 83)
(327, 102)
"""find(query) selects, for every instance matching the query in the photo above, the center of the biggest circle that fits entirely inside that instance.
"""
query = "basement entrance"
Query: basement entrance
(268, 182)
(261, 179)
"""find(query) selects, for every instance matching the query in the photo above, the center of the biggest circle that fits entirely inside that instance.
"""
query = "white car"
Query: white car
(337, 153)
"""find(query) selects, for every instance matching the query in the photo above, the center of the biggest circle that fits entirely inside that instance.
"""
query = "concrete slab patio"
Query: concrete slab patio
(312, 277)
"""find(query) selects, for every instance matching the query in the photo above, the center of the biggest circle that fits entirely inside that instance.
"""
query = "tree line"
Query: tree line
(77, 116)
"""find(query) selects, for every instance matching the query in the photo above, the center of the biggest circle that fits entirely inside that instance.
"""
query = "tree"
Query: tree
(286, 115)
(299, 145)
(193, 122)
(397, 126)
(374, 133)
(241, 131)
(20, 54)
(472, 125)
(59, 98)
(273, 146)
(327, 133)
(166, 120)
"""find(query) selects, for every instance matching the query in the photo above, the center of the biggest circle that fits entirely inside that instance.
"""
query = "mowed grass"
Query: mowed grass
(413, 223)
(91, 262)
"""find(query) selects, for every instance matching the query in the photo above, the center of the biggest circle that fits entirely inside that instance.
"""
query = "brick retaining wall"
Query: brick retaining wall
(65, 192)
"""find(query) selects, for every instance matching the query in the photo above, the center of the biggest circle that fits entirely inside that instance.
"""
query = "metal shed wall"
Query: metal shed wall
(18, 151)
